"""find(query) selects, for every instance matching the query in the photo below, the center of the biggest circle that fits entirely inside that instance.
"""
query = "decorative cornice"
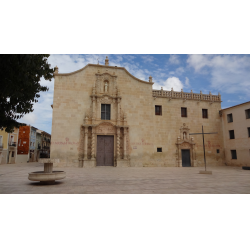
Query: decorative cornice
(102, 66)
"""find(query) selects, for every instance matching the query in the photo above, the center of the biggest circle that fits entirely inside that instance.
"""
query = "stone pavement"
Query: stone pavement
(110, 180)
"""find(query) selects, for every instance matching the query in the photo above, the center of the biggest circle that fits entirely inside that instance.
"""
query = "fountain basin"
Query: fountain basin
(47, 177)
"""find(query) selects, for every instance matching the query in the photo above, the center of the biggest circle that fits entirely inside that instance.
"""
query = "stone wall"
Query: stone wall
(73, 102)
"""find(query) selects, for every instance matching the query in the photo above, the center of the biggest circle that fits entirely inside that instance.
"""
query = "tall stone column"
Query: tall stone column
(93, 144)
(118, 110)
(125, 143)
(85, 143)
(94, 109)
(118, 143)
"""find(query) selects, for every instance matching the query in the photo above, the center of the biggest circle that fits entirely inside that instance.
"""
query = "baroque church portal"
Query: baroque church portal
(104, 116)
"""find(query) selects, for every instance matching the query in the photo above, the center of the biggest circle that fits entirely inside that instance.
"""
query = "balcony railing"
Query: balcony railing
(46, 147)
(12, 144)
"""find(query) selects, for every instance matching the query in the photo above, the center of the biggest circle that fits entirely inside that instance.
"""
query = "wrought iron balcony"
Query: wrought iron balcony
(12, 144)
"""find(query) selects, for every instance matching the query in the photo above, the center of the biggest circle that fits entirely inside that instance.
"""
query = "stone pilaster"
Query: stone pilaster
(118, 110)
(85, 143)
(118, 143)
(93, 144)
(125, 143)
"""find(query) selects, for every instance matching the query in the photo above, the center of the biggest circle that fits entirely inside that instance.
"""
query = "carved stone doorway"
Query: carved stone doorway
(185, 154)
(105, 150)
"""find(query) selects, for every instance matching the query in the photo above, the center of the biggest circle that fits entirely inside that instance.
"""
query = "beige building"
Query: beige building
(236, 129)
(104, 116)
(8, 146)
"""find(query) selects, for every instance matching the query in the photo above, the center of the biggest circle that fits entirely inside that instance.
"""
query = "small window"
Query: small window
(247, 113)
(12, 155)
(248, 132)
(183, 112)
(159, 149)
(158, 110)
(234, 155)
(231, 134)
(230, 118)
(218, 151)
(204, 113)
(105, 112)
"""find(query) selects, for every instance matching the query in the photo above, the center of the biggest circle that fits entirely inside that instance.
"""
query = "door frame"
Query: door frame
(114, 147)
(188, 150)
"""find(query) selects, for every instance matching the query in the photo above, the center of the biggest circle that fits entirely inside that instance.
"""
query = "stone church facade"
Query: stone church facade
(104, 116)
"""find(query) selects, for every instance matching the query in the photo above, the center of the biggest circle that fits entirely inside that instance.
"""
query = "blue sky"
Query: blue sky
(227, 74)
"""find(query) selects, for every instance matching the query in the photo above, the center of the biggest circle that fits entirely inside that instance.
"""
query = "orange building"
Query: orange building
(23, 144)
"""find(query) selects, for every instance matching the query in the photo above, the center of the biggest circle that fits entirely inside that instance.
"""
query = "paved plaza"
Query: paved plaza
(111, 180)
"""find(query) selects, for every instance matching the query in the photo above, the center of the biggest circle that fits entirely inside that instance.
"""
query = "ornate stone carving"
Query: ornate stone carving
(105, 128)
(105, 100)
(88, 113)
(185, 145)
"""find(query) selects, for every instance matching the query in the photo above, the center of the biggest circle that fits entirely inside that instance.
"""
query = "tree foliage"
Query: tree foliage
(20, 77)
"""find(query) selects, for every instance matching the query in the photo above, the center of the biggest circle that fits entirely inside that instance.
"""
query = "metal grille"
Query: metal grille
(231, 134)
(183, 112)
(233, 153)
(105, 112)
(230, 118)
(204, 113)
(158, 110)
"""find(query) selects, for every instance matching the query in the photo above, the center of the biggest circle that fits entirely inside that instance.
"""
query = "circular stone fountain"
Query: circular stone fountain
(48, 176)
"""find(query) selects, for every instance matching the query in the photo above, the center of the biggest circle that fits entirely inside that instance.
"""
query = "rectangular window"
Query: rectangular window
(234, 155)
(247, 113)
(231, 134)
(105, 112)
(204, 113)
(12, 154)
(230, 118)
(218, 151)
(183, 112)
(158, 110)
(248, 132)
(159, 149)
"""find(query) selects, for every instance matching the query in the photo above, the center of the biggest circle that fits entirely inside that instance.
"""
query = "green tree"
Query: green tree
(20, 77)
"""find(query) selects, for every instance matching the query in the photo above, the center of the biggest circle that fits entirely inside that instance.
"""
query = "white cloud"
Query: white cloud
(174, 59)
(187, 82)
(148, 58)
(230, 73)
(180, 71)
(173, 82)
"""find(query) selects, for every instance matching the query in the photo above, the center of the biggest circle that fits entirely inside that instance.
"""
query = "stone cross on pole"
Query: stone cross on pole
(203, 142)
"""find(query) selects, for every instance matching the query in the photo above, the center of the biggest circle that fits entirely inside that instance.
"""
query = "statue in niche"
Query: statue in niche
(184, 136)
(106, 87)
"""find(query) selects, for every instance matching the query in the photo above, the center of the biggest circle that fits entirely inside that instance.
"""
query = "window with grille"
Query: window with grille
(105, 112)
(231, 134)
(183, 112)
(158, 110)
(204, 113)
(233, 153)
(230, 118)
(159, 149)
(247, 113)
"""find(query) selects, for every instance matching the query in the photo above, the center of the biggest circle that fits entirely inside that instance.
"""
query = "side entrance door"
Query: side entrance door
(105, 150)
(185, 153)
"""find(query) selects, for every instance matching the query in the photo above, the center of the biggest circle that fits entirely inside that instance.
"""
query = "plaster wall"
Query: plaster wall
(241, 143)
